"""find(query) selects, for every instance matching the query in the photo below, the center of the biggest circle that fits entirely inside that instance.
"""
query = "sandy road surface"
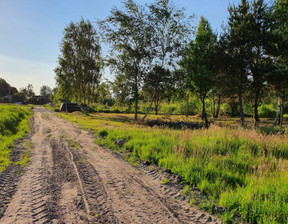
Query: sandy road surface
(88, 184)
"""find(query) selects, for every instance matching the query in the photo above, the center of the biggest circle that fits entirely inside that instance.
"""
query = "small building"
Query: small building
(6, 99)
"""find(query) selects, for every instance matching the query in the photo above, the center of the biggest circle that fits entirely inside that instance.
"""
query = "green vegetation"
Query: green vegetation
(79, 64)
(242, 72)
(198, 63)
(73, 144)
(162, 62)
(25, 158)
(165, 181)
(244, 171)
(14, 124)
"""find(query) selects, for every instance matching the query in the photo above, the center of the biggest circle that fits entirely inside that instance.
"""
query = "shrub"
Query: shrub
(103, 133)
(267, 111)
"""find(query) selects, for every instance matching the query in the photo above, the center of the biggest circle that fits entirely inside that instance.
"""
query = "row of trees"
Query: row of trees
(153, 52)
(249, 56)
(27, 92)
(146, 43)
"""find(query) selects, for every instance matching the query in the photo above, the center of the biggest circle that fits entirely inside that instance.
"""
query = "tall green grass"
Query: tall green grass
(244, 171)
(14, 124)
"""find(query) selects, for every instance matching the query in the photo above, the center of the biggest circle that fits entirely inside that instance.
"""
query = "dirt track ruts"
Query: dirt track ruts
(88, 184)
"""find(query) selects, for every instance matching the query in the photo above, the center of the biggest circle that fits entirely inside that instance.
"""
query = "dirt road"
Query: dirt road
(72, 180)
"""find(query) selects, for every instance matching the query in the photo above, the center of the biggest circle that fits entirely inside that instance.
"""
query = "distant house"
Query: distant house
(6, 92)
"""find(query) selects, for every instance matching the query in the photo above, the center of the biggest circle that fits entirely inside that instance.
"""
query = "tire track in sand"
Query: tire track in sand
(89, 184)
(134, 197)
(30, 203)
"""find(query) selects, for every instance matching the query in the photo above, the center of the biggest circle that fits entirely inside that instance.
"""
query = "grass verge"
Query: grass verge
(14, 124)
(244, 171)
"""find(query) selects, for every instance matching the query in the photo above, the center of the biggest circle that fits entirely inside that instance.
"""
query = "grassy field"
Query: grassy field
(242, 170)
(14, 124)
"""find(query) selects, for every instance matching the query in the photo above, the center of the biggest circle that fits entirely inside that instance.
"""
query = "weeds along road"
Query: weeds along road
(72, 180)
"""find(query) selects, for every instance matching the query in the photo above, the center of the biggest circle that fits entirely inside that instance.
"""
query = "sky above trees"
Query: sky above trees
(32, 30)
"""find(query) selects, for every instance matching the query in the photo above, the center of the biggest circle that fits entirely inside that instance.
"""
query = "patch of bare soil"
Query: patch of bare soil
(85, 183)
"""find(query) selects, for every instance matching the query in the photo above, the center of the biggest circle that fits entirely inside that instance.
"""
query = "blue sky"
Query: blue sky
(31, 30)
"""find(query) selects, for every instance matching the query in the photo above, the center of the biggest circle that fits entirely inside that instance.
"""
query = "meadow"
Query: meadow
(243, 171)
(14, 124)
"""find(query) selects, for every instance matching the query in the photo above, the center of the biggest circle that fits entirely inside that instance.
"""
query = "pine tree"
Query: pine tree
(198, 61)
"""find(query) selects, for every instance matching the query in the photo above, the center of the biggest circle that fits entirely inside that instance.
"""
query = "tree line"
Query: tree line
(24, 93)
(157, 53)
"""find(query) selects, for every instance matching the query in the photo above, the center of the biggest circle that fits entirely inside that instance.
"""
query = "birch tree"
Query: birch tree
(80, 63)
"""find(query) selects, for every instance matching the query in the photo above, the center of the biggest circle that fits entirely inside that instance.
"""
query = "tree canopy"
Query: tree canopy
(154, 59)
(198, 63)
(80, 63)
(142, 37)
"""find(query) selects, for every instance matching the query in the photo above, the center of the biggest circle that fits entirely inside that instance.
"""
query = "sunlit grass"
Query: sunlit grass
(245, 171)
(14, 124)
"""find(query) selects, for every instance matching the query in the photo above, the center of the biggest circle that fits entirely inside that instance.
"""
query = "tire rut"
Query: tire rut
(8, 186)
(172, 195)
(88, 184)
(29, 204)
(31, 199)
(10, 177)
(91, 201)
(135, 196)
(67, 207)
(94, 191)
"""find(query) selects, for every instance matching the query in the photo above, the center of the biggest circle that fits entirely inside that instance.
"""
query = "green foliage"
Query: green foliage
(171, 108)
(80, 62)
(198, 63)
(165, 181)
(103, 133)
(143, 37)
(267, 110)
(73, 144)
(249, 48)
(129, 34)
(170, 34)
(198, 58)
(180, 108)
(103, 94)
(25, 159)
(14, 123)
(27, 92)
(45, 90)
(281, 27)
(157, 85)
(242, 170)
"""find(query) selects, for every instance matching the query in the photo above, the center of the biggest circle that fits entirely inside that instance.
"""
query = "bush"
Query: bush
(267, 111)
(180, 108)
(103, 133)
(168, 109)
